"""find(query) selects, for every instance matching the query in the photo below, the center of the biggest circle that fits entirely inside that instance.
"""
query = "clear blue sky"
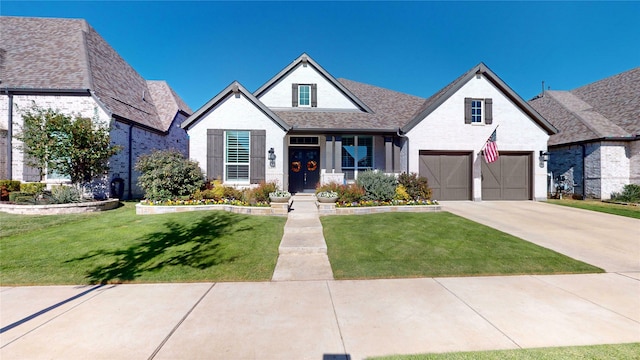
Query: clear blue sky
(413, 47)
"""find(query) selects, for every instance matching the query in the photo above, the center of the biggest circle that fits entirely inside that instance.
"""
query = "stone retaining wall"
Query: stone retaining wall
(277, 209)
(60, 209)
(331, 209)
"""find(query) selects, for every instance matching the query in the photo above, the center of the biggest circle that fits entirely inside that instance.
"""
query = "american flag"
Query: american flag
(491, 149)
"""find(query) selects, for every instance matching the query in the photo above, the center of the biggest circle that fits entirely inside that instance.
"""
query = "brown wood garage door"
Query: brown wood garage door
(449, 174)
(508, 178)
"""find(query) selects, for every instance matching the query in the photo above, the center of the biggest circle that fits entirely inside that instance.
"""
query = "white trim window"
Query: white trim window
(357, 155)
(237, 156)
(304, 95)
(477, 116)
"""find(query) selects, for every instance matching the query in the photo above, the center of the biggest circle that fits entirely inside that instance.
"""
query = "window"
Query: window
(304, 95)
(476, 111)
(237, 154)
(357, 155)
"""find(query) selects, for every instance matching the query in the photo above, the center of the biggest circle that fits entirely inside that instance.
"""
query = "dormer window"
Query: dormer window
(304, 95)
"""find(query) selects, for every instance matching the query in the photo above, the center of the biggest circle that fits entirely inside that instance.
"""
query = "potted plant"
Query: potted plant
(327, 196)
(279, 196)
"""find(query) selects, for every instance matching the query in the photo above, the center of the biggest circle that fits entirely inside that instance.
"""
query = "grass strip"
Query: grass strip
(597, 205)
(601, 352)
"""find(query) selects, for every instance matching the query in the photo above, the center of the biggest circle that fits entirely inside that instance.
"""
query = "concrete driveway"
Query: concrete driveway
(610, 242)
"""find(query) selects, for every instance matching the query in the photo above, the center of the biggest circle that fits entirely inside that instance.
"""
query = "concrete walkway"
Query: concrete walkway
(328, 319)
(303, 250)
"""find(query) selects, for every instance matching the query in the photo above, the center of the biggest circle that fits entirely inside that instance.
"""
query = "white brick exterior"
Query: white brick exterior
(608, 166)
(329, 97)
(238, 113)
(142, 141)
(444, 129)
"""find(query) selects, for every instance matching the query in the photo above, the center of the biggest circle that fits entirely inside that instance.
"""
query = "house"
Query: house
(304, 127)
(64, 64)
(597, 150)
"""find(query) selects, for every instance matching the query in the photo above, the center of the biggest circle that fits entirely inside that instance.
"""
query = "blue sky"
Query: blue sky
(413, 47)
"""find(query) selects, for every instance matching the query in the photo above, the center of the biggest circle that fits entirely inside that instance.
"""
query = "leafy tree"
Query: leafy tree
(78, 147)
(167, 174)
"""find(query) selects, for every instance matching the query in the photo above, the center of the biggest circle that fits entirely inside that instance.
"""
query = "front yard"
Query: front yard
(118, 246)
(632, 211)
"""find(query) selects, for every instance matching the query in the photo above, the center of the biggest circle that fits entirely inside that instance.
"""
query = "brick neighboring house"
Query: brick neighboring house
(598, 147)
(304, 127)
(64, 64)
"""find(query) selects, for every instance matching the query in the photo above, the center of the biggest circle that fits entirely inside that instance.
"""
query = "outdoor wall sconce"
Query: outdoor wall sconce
(544, 157)
(272, 158)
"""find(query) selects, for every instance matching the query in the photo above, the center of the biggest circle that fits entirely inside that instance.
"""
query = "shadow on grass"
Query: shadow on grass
(195, 245)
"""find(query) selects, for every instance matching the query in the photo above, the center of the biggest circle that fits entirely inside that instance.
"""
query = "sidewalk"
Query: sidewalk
(318, 319)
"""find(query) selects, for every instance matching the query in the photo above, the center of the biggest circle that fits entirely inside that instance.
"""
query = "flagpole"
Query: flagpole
(485, 142)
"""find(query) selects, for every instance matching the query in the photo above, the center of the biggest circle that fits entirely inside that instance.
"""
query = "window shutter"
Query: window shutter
(467, 110)
(314, 95)
(488, 111)
(294, 95)
(258, 153)
(215, 154)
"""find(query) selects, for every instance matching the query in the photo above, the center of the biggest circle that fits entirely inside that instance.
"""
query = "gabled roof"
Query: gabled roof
(391, 110)
(168, 103)
(606, 109)
(305, 59)
(233, 88)
(445, 93)
(48, 54)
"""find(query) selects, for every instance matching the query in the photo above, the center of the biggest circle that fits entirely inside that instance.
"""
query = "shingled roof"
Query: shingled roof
(47, 54)
(605, 109)
(390, 110)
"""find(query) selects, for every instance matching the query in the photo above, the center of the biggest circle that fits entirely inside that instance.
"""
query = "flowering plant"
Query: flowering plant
(327, 194)
(279, 193)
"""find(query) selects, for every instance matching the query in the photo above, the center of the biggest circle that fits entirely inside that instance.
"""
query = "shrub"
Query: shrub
(377, 185)
(630, 193)
(416, 186)
(332, 186)
(167, 174)
(20, 197)
(62, 194)
(7, 186)
(261, 193)
(401, 193)
(350, 193)
(34, 188)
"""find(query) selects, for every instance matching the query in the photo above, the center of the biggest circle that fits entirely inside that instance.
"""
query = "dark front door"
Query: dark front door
(304, 169)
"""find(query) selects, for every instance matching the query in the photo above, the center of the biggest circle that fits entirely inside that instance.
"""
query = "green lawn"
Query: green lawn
(120, 246)
(601, 352)
(597, 205)
(395, 245)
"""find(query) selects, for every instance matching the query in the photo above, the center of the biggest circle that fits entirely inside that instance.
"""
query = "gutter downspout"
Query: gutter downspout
(584, 171)
(130, 171)
(10, 137)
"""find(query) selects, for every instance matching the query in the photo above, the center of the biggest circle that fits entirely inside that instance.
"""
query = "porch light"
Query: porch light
(272, 158)
(544, 157)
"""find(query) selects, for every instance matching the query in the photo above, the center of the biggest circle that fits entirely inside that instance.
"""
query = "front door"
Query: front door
(304, 169)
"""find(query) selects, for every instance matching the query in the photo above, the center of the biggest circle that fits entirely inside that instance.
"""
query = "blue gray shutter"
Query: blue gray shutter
(257, 162)
(314, 95)
(215, 154)
(467, 110)
(294, 95)
(488, 111)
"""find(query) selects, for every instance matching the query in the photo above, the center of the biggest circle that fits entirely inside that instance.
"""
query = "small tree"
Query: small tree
(167, 174)
(79, 148)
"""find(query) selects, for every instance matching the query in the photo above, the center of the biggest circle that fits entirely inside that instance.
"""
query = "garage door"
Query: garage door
(449, 174)
(508, 178)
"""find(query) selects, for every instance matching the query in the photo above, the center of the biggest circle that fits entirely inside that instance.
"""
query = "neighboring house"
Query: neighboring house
(597, 150)
(304, 127)
(65, 65)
